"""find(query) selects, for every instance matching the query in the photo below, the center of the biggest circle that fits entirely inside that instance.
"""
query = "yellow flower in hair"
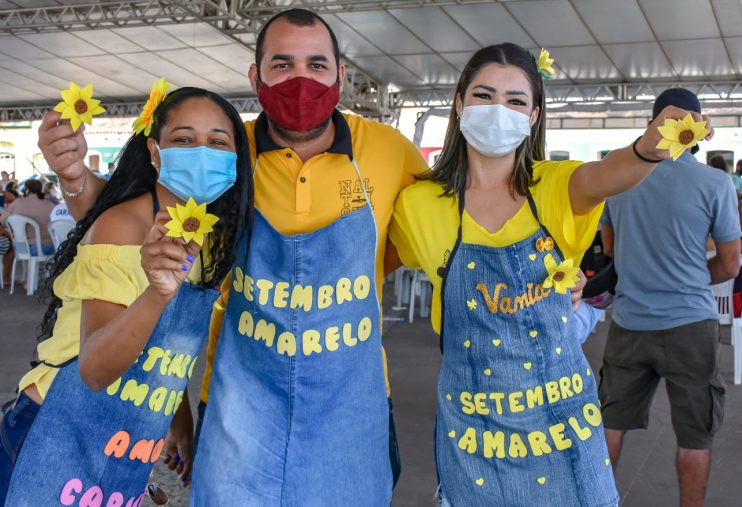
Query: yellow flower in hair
(544, 64)
(78, 105)
(190, 222)
(146, 118)
(679, 135)
(561, 276)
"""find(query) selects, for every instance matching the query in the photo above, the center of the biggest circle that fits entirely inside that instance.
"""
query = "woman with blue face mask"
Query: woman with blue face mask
(500, 233)
(130, 310)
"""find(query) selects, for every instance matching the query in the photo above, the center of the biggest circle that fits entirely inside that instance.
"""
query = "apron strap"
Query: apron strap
(155, 202)
(448, 266)
(534, 210)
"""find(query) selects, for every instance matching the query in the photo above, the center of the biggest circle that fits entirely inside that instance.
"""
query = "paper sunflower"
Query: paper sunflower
(146, 118)
(679, 135)
(78, 105)
(544, 64)
(561, 276)
(190, 222)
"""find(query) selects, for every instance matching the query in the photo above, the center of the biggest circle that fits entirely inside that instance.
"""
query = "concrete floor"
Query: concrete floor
(646, 475)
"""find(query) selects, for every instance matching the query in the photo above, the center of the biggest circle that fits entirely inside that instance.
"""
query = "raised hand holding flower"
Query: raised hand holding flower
(78, 105)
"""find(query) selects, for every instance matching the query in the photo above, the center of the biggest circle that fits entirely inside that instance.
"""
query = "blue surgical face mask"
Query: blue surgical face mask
(202, 173)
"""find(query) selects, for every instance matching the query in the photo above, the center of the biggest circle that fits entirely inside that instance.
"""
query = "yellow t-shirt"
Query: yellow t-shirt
(105, 272)
(299, 197)
(424, 225)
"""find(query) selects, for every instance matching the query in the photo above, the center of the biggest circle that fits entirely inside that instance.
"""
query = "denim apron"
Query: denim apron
(298, 413)
(98, 448)
(518, 419)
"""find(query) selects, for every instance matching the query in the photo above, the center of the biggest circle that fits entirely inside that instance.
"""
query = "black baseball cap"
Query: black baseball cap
(678, 97)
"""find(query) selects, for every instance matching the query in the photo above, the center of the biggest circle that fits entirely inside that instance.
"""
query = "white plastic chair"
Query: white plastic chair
(725, 306)
(402, 278)
(420, 286)
(58, 230)
(21, 245)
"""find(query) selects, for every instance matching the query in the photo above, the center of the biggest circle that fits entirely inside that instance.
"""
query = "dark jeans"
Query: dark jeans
(18, 415)
(394, 458)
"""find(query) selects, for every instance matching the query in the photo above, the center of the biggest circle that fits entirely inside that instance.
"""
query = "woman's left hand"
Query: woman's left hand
(577, 291)
(647, 145)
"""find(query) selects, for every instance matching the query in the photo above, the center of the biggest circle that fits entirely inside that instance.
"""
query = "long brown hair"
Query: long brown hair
(452, 166)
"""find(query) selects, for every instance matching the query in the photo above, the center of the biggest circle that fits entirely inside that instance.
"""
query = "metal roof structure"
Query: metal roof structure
(612, 56)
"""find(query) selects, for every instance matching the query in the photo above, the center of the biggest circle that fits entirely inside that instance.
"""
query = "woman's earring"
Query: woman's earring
(153, 164)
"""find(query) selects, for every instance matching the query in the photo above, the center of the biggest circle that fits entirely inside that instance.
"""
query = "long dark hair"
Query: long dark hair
(451, 167)
(135, 176)
(34, 187)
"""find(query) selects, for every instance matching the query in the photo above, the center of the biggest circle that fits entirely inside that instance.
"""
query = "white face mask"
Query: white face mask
(493, 129)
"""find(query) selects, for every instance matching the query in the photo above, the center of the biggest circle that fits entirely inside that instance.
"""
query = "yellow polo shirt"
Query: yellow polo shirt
(425, 224)
(302, 196)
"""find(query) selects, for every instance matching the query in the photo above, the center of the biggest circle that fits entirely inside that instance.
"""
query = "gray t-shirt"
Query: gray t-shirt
(660, 230)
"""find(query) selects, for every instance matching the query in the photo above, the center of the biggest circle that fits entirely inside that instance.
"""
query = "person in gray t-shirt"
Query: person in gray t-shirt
(665, 321)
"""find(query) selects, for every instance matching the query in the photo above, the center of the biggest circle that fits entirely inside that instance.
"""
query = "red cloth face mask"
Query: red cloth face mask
(298, 104)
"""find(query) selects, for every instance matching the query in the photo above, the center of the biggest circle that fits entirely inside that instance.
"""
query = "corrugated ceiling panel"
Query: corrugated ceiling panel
(62, 44)
(391, 70)
(238, 58)
(431, 68)
(36, 72)
(436, 29)
(24, 88)
(735, 52)
(696, 58)
(197, 34)
(729, 14)
(458, 60)
(551, 22)
(110, 41)
(203, 65)
(643, 60)
(127, 74)
(601, 17)
(149, 37)
(18, 48)
(104, 87)
(158, 65)
(489, 24)
(584, 62)
(385, 32)
(352, 44)
(681, 19)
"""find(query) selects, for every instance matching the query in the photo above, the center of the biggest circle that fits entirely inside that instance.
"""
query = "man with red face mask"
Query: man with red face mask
(298, 411)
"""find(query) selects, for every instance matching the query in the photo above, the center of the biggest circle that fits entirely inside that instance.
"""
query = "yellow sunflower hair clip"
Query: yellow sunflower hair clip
(147, 117)
(78, 105)
(544, 64)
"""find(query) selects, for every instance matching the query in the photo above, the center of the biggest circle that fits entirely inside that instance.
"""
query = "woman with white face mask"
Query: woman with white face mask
(500, 231)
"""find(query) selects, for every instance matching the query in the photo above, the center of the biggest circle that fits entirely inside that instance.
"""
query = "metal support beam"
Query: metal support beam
(260, 10)
(361, 93)
(593, 98)
(113, 109)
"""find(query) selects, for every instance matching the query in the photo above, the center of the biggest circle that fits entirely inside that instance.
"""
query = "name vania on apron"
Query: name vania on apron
(518, 419)
(297, 412)
(97, 449)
